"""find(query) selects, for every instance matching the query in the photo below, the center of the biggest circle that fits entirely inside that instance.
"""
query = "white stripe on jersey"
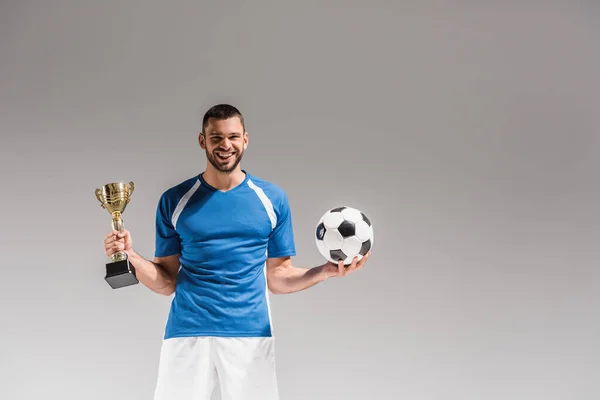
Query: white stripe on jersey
(182, 202)
(266, 202)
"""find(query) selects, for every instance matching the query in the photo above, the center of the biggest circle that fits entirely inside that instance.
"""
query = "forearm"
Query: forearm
(290, 279)
(152, 275)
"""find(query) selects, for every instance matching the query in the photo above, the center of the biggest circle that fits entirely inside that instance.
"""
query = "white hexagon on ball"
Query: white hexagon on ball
(332, 220)
(351, 214)
(351, 246)
(362, 230)
(333, 239)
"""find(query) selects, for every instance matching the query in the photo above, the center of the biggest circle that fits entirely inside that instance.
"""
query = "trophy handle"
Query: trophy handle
(131, 187)
(98, 196)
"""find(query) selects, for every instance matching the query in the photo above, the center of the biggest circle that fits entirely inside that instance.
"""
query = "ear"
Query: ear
(245, 140)
(201, 141)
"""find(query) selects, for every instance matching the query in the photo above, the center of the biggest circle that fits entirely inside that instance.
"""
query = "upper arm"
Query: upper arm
(171, 264)
(275, 264)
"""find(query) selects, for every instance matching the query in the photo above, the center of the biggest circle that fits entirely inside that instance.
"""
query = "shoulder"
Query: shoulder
(171, 196)
(275, 193)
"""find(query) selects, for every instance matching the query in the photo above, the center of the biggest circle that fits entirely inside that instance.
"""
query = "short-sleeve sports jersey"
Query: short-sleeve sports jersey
(223, 239)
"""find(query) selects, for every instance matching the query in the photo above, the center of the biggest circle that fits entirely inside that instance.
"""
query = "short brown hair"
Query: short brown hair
(222, 111)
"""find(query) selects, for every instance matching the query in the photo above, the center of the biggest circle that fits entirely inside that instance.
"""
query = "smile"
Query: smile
(224, 156)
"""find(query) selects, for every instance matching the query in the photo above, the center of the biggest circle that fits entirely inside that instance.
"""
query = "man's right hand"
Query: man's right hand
(117, 241)
(159, 275)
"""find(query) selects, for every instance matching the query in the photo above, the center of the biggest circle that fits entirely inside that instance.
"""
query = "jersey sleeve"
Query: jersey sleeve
(167, 239)
(281, 240)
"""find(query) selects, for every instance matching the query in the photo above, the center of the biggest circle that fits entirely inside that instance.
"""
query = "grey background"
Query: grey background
(467, 131)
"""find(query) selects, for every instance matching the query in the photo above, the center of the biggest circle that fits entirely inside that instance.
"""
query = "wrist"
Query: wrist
(322, 274)
(131, 254)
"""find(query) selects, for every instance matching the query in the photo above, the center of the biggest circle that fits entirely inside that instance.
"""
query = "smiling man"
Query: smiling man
(224, 239)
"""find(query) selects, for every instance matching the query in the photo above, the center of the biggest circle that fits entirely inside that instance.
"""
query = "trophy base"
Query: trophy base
(120, 274)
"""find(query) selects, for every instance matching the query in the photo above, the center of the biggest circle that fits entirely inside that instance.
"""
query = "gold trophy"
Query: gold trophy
(114, 197)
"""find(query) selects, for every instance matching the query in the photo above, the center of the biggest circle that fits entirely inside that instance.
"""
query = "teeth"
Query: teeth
(224, 155)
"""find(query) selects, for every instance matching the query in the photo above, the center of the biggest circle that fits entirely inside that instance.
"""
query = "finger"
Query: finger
(112, 234)
(110, 239)
(125, 236)
(355, 265)
(352, 266)
(363, 261)
(346, 268)
(341, 268)
(118, 247)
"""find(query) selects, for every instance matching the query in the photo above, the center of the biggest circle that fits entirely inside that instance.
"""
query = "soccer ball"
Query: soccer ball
(343, 233)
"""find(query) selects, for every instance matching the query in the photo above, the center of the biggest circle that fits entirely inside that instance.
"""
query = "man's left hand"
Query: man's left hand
(332, 270)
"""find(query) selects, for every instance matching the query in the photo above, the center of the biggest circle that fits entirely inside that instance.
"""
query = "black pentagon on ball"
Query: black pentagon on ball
(338, 209)
(366, 246)
(366, 219)
(321, 231)
(337, 255)
(347, 229)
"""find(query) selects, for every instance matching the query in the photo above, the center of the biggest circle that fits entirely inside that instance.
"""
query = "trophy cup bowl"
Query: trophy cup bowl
(114, 198)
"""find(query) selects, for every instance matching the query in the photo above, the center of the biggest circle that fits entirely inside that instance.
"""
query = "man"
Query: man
(223, 240)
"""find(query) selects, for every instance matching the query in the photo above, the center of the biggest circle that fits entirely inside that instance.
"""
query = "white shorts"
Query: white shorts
(190, 367)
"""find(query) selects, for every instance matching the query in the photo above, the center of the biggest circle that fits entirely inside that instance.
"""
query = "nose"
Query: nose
(225, 144)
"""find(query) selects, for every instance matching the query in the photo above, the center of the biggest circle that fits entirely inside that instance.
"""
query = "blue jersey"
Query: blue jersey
(223, 239)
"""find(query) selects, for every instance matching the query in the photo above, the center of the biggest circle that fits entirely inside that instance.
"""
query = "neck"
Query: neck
(223, 180)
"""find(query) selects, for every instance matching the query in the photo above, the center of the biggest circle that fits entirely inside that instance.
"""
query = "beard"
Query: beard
(227, 166)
